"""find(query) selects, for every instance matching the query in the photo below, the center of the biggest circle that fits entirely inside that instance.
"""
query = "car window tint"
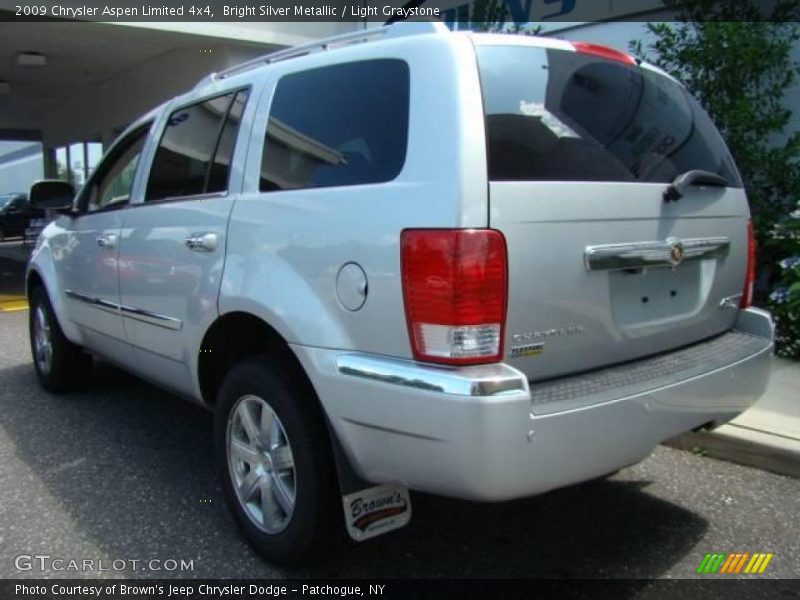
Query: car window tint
(340, 125)
(187, 162)
(553, 115)
(114, 179)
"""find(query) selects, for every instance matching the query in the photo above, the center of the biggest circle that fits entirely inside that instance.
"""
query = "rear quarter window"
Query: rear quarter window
(555, 115)
(340, 125)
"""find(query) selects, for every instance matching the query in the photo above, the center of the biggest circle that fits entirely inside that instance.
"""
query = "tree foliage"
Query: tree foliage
(784, 301)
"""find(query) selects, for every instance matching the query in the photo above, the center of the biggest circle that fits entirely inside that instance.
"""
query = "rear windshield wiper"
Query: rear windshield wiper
(677, 188)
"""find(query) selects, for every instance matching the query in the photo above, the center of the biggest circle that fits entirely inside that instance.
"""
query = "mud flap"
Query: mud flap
(369, 510)
(376, 510)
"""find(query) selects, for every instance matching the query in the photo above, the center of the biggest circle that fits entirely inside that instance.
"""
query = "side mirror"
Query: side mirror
(51, 194)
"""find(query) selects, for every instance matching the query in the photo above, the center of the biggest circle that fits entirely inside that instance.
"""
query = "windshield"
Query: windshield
(555, 115)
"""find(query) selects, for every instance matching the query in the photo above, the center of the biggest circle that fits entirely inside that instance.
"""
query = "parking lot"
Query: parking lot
(123, 471)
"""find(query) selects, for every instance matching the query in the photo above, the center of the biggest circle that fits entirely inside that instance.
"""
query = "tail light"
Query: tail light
(750, 279)
(603, 52)
(454, 289)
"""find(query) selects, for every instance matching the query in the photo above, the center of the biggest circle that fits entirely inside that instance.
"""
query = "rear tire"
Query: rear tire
(60, 365)
(275, 461)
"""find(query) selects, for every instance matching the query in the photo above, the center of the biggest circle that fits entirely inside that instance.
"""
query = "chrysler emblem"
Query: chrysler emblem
(676, 252)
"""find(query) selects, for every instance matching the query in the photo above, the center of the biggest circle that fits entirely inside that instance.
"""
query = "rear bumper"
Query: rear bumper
(477, 433)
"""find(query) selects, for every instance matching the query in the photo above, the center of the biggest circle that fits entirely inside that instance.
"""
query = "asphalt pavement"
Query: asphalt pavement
(124, 471)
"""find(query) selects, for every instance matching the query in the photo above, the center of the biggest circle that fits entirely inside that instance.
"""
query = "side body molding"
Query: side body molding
(128, 311)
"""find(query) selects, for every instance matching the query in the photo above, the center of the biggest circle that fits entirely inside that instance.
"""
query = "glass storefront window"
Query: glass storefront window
(75, 162)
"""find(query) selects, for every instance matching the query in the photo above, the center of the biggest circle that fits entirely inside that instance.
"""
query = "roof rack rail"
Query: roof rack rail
(401, 29)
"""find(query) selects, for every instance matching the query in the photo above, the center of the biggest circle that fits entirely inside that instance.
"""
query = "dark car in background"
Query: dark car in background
(16, 214)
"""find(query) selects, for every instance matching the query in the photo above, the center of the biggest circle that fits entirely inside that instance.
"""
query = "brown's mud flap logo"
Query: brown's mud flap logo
(376, 510)
(368, 519)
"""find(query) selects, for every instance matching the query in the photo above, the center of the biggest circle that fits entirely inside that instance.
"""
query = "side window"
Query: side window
(345, 124)
(195, 151)
(114, 179)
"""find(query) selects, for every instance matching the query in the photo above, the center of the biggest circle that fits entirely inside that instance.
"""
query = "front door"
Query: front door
(172, 244)
(89, 248)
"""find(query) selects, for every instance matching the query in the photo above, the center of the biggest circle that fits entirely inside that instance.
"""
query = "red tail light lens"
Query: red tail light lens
(603, 52)
(454, 289)
(750, 279)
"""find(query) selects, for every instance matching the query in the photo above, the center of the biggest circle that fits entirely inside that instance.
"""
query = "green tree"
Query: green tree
(784, 301)
(737, 61)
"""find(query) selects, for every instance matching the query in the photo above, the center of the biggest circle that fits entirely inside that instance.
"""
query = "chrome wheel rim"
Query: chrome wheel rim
(42, 340)
(261, 464)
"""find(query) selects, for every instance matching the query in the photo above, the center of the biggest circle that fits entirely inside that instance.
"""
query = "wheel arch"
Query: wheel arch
(32, 280)
(231, 338)
(42, 274)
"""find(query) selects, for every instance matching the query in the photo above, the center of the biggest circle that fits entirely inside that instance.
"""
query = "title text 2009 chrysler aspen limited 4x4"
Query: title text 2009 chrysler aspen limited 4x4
(481, 266)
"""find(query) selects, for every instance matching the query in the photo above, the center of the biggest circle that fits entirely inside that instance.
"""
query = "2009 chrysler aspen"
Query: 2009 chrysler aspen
(482, 266)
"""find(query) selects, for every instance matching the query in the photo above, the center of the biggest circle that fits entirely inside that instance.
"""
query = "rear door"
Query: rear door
(602, 270)
(172, 245)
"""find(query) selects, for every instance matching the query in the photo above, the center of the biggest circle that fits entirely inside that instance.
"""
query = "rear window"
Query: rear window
(555, 115)
(340, 125)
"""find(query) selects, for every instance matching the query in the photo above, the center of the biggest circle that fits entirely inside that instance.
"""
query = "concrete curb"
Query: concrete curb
(744, 446)
(767, 436)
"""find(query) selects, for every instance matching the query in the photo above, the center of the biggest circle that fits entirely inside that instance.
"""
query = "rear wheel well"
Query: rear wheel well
(234, 337)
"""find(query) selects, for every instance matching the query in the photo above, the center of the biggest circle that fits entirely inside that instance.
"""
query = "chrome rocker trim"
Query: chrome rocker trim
(131, 312)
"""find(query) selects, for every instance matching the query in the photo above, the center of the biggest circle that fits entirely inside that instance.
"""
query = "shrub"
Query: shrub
(784, 301)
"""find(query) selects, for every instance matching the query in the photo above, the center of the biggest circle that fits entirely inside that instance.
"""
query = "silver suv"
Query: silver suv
(481, 266)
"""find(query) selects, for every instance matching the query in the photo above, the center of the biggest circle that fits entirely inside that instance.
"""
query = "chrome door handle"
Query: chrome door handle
(202, 242)
(107, 241)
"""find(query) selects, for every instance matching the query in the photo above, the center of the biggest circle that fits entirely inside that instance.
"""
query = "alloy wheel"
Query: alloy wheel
(42, 340)
(261, 464)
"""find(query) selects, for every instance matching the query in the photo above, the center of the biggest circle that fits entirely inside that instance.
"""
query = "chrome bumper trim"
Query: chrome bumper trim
(478, 381)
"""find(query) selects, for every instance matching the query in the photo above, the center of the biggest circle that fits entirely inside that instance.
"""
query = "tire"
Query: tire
(2, 235)
(60, 365)
(279, 479)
